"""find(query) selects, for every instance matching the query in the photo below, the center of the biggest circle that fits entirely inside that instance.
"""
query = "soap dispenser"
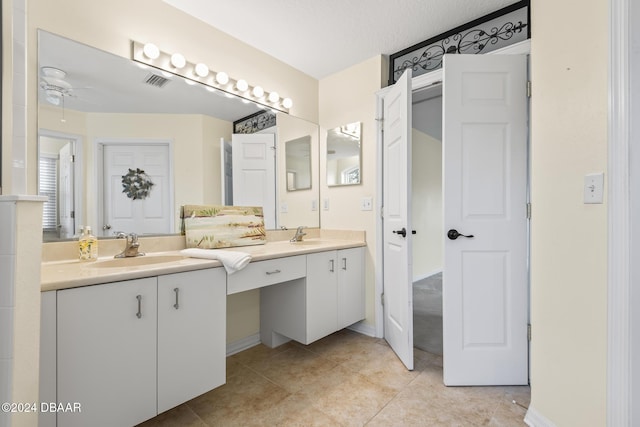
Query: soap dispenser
(88, 245)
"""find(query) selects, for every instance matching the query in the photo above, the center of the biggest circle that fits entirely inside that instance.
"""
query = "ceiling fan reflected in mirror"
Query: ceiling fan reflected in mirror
(52, 81)
(55, 86)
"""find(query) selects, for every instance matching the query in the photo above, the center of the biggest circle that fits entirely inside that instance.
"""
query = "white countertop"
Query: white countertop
(58, 275)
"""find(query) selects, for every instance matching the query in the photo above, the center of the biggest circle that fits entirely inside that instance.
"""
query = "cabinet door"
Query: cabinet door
(351, 291)
(191, 335)
(321, 297)
(107, 353)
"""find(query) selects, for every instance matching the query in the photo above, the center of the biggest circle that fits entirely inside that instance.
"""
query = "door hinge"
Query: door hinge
(73, 158)
(382, 212)
(528, 88)
(529, 332)
(73, 214)
(528, 210)
(382, 299)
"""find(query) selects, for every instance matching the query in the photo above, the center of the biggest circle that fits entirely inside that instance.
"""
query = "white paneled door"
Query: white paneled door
(66, 203)
(149, 215)
(397, 264)
(485, 288)
(254, 173)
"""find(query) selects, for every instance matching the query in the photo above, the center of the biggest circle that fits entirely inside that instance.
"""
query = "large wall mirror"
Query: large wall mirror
(344, 150)
(107, 125)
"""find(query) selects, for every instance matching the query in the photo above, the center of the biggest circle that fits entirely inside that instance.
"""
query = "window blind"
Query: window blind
(47, 186)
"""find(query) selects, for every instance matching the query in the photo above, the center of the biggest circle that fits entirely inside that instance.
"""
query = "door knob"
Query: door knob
(106, 227)
(402, 232)
(453, 234)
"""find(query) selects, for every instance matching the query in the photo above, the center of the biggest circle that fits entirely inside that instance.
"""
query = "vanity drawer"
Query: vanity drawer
(265, 273)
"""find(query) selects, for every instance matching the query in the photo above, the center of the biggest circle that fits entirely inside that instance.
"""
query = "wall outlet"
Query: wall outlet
(594, 188)
(284, 207)
(367, 204)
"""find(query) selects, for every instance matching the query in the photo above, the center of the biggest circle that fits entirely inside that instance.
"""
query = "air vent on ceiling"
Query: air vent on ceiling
(156, 80)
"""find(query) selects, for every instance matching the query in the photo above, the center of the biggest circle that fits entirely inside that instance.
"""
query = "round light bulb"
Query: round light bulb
(202, 70)
(258, 92)
(178, 61)
(274, 97)
(151, 51)
(242, 85)
(222, 78)
(287, 103)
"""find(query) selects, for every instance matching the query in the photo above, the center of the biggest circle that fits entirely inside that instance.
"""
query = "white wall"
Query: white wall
(569, 238)
(426, 181)
(346, 97)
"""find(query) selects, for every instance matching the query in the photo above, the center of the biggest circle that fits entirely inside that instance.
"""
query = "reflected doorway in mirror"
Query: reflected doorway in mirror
(344, 148)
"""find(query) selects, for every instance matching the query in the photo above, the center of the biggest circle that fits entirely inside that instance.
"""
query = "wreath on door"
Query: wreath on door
(136, 184)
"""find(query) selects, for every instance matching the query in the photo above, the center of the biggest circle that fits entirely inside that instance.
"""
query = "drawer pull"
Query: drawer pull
(331, 267)
(177, 304)
(344, 263)
(273, 272)
(139, 313)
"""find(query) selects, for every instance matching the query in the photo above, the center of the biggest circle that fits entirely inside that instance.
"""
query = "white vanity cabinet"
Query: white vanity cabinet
(129, 350)
(351, 288)
(331, 297)
(106, 353)
(191, 335)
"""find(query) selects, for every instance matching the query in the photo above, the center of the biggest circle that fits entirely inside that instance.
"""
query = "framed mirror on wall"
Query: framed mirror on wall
(100, 99)
(298, 163)
(344, 155)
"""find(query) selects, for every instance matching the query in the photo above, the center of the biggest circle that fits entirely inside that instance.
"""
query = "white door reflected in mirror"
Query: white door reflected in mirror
(343, 155)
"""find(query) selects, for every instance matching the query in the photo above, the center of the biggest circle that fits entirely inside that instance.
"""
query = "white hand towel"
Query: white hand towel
(232, 260)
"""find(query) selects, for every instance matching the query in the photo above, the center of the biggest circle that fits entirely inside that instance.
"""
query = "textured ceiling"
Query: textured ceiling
(321, 37)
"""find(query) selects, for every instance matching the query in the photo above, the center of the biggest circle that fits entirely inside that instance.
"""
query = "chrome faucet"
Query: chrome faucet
(299, 234)
(131, 246)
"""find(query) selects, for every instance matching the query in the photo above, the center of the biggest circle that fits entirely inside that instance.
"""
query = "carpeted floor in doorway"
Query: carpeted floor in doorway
(427, 314)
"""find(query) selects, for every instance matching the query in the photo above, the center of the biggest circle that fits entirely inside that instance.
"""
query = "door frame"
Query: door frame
(419, 82)
(78, 170)
(622, 211)
(99, 174)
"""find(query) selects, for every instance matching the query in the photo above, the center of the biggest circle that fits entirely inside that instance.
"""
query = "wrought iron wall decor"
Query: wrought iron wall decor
(256, 122)
(136, 184)
(501, 28)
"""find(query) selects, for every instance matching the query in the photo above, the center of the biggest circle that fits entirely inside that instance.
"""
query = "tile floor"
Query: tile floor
(346, 379)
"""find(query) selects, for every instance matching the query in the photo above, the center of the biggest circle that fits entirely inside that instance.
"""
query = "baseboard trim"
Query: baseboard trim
(253, 340)
(243, 344)
(536, 419)
(363, 328)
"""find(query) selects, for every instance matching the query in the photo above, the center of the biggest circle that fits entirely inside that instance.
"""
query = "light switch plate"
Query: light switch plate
(314, 205)
(367, 204)
(284, 207)
(594, 188)
(325, 204)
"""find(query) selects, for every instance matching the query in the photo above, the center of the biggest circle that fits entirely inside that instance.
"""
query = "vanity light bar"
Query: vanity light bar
(176, 64)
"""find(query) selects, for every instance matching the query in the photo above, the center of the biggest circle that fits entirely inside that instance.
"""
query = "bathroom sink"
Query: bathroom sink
(307, 243)
(136, 261)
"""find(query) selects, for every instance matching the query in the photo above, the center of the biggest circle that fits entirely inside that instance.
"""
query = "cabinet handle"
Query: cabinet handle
(331, 266)
(139, 313)
(273, 272)
(176, 305)
(344, 263)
